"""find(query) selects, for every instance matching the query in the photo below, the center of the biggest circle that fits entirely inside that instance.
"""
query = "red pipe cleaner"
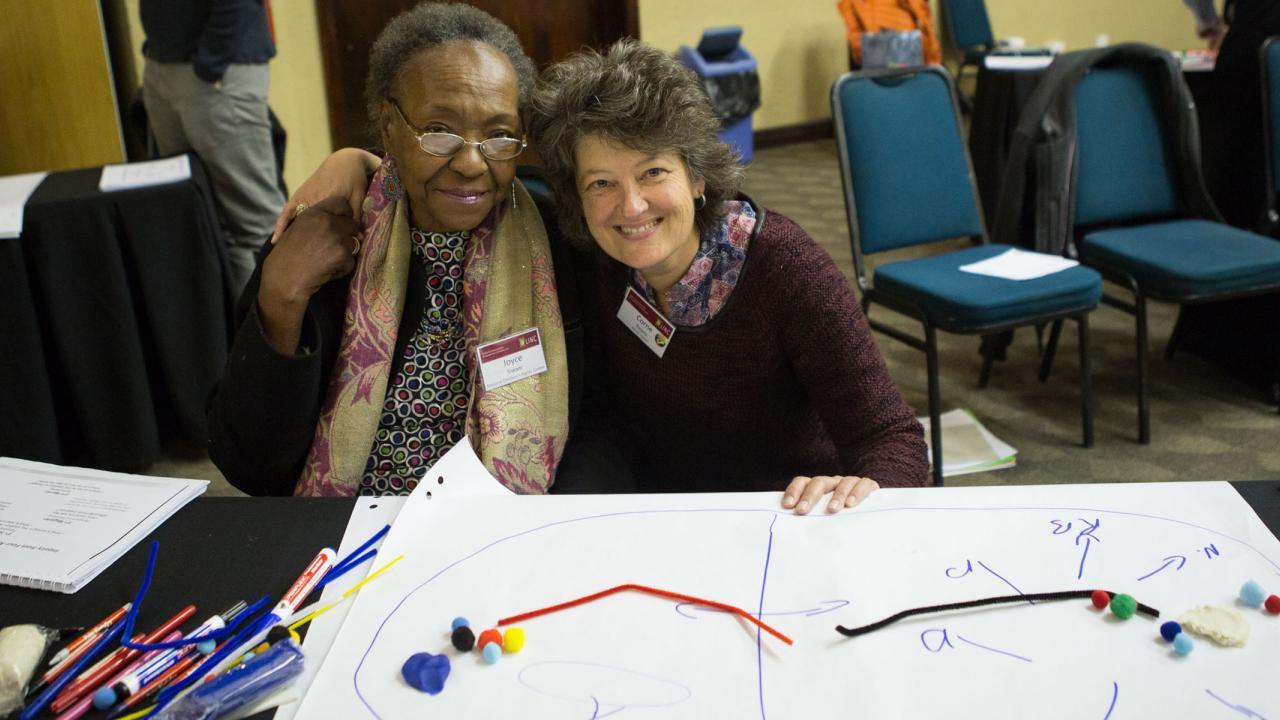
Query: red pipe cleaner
(652, 591)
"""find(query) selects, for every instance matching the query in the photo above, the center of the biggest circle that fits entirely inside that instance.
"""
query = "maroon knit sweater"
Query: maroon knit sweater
(785, 380)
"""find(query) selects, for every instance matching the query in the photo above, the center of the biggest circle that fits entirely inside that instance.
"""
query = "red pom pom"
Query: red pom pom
(486, 637)
(1100, 599)
(1273, 605)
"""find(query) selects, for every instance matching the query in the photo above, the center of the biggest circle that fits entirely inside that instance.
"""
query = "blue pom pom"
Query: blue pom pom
(104, 698)
(1170, 630)
(492, 652)
(426, 672)
(459, 622)
(206, 647)
(1252, 594)
(1182, 644)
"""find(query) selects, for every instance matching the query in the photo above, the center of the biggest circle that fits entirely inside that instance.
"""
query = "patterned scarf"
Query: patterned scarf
(518, 430)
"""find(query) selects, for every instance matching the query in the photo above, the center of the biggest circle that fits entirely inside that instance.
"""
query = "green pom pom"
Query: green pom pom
(1123, 606)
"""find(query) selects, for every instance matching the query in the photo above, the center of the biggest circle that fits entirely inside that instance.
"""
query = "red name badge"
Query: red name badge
(646, 322)
(514, 357)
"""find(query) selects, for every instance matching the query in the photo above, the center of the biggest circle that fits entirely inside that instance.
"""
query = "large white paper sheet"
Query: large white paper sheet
(15, 190)
(128, 176)
(1015, 264)
(1173, 546)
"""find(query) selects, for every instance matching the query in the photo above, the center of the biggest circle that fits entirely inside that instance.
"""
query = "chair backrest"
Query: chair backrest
(968, 24)
(1271, 114)
(905, 169)
(1124, 171)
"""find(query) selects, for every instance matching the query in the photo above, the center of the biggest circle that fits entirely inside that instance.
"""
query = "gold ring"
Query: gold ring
(356, 250)
(298, 210)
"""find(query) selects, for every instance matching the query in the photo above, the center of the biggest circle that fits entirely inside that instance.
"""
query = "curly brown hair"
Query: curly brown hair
(429, 25)
(640, 98)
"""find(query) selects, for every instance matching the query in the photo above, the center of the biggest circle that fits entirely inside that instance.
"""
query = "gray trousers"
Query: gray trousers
(227, 127)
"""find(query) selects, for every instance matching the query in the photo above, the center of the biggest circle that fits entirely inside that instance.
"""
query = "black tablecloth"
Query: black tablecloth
(115, 321)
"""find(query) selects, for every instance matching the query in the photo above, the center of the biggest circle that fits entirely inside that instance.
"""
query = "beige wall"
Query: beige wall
(297, 83)
(800, 44)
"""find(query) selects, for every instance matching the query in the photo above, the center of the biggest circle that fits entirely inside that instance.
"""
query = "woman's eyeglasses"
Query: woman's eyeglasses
(442, 144)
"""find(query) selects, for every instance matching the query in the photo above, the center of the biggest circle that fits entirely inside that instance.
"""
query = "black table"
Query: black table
(115, 324)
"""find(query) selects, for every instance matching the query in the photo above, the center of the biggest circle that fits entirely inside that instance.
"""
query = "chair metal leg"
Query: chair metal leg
(1144, 411)
(1086, 380)
(1175, 338)
(1046, 361)
(935, 402)
(988, 358)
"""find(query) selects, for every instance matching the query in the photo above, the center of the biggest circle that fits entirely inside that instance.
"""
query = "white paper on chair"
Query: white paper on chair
(15, 190)
(1018, 62)
(1015, 264)
(145, 174)
(1173, 546)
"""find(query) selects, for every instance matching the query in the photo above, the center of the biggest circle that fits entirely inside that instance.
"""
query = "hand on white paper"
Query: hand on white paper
(804, 493)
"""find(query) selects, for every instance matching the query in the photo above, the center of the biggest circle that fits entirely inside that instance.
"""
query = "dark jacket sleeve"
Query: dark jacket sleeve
(833, 352)
(263, 413)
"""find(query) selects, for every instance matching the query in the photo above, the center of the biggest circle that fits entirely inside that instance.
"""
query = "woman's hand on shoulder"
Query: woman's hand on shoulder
(804, 493)
(320, 245)
(345, 173)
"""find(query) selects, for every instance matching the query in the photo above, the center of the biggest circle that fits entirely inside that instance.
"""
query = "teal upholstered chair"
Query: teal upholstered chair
(1129, 219)
(908, 181)
(1271, 135)
(967, 24)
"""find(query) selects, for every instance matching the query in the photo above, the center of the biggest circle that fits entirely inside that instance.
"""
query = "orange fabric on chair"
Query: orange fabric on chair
(868, 16)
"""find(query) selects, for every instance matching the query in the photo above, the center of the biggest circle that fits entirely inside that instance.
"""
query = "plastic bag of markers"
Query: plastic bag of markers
(21, 647)
(261, 675)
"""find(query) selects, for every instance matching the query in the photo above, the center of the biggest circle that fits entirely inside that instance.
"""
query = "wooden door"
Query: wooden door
(549, 30)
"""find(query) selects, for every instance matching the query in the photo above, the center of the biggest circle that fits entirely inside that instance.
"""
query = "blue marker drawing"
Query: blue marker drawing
(1238, 708)
(364, 656)
(941, 638)
(994, 650)
(686, 609)
(609, 689)
(1210, 551)
(1087, 534)
(1115, 695)
(968, 568)
(1180, 559)
(768, 553)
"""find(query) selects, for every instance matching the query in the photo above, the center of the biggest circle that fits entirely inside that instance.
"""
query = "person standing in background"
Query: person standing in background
(1233, 145)
(205, 89)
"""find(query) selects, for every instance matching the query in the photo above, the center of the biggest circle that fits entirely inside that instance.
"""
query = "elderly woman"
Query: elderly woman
(355, 366)
(735, 352)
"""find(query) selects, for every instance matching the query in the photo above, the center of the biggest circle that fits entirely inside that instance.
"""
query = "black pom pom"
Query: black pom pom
(277, 633)
(463, 639)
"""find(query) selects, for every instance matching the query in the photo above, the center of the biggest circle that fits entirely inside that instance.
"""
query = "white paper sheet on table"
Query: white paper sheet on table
(128, 176)
(15, 190)
(1015, 264)
(488, 558)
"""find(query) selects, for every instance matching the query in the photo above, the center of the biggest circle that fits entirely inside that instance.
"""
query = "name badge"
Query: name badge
(514, 357)
(646, 322)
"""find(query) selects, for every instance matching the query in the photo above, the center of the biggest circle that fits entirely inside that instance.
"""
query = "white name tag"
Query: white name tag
(512, 358)
(646, 322)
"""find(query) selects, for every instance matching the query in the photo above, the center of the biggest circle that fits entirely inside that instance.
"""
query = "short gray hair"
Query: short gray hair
(640, 98)
(432, 24)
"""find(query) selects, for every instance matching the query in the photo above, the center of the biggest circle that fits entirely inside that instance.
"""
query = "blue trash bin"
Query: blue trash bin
(730, 77)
